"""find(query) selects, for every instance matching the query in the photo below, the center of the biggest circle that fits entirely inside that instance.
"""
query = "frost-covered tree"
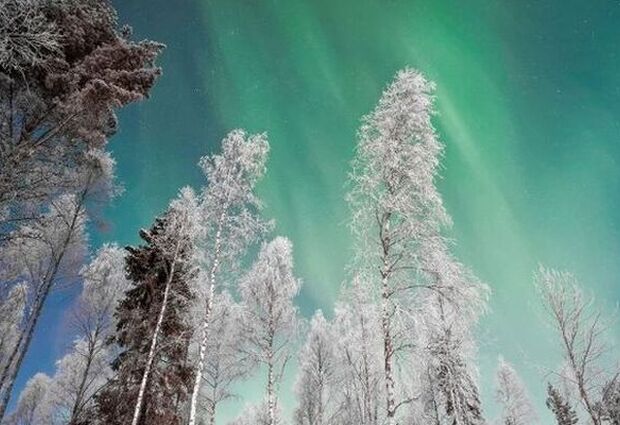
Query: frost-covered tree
(581, 331)
(317, 386)
(65, 68)
(394, 201)
(229, 222)
(27, 36)
(456, 392)
(49, 251)
(270, 319)
(152, 331)
(82, 372)
(511, 394)
(79, 375)
(561, 408)
(46, 254)
(32, 406)
(257, 414)
(359, 356)
(224, 363)
(12, 311)
(446, 314)
(398, 217)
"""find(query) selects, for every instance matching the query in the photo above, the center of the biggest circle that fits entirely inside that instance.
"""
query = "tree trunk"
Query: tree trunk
(77, 406)
(19, 352)
(21, 348)
(271, 403)
(151, 357)
(202, 353)
(8, 366)
(388, 350)
(212, 417)
(388, 344)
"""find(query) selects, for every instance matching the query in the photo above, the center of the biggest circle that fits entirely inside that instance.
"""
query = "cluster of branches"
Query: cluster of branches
(65, 68)
(164, 331)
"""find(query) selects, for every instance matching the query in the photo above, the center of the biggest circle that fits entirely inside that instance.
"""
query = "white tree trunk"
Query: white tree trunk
(271, 402)
(79, 398)
(202, 353)
(151, 357)
(388, 344)
(9, 374)
(388, 350)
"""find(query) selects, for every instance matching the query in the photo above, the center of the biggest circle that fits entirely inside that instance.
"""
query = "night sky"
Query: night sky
(528, 100)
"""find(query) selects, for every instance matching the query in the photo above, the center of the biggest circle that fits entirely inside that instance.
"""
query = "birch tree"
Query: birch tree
(396, 207)
(229, 222)
(50, 251)
(151, 375)
(225, 363)
(32, 407)
(456, 390)
(316, 386)
(581, 330)
(82, 372)
(257, 414)
(359, 357)
(447, 313)
(270, 317)
(511, 394)
(12, 311)
(45, 255)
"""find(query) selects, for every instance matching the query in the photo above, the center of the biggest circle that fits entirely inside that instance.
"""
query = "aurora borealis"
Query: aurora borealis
(528, 100)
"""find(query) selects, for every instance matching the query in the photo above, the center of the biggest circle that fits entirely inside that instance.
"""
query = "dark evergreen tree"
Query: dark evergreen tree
(610, 404)
(152, 377)
(564, 413)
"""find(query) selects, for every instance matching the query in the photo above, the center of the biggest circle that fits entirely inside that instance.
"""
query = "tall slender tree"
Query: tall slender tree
(82, 372)
(33, 407)
(517, 409)
(270, 317)
(12, 311)
(153, 332)
(359, 357)
(447, 312)
(581, 331)
(316, 385)
(398, 214)
(229, 222)
(50, 251)
(225, 363)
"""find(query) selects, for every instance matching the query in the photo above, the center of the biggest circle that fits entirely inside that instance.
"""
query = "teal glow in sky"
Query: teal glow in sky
(528, 99)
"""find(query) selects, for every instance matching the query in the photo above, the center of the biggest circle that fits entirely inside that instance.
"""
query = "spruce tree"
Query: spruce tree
(152, 378)
(564, 413)
(610, 404)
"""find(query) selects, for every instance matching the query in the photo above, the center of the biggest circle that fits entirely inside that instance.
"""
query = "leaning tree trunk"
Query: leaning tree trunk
(10, 371)
(153, 348)
(81, 391)
(202, 352)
